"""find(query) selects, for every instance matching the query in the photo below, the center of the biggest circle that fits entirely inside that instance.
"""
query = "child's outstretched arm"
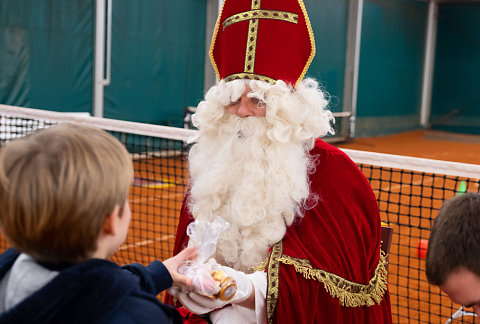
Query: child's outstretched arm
(158, 276)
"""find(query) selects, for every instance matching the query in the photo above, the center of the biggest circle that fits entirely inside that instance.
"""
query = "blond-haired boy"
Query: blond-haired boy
(64, 209)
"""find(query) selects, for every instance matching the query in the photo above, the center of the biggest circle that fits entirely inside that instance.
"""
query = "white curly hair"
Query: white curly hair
(253, 171)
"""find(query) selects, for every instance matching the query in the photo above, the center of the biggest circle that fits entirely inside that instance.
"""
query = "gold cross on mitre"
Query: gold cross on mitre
(253, 16)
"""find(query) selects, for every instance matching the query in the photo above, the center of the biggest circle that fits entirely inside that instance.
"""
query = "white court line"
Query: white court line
(146, 242)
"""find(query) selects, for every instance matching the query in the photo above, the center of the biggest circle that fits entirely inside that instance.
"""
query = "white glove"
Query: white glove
(182, 296)
(201, 304)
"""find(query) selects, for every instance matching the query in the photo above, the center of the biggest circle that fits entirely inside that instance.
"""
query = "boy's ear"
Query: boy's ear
(110, 223)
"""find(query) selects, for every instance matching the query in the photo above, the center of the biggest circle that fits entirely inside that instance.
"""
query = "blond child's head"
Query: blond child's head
(58, 186)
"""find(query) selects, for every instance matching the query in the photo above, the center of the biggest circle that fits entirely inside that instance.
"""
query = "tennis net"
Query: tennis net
(409, 191)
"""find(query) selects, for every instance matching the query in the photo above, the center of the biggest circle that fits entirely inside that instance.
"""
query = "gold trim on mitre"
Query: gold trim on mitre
(312, 42)
(250, 76)
(349, 293)
(261, 14)
(212, 43)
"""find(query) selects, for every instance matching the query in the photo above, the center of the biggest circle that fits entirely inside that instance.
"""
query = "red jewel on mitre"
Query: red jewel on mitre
(264, 40)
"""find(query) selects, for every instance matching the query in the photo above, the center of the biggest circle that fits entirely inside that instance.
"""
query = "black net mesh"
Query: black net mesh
(408, 202)
(156, 197)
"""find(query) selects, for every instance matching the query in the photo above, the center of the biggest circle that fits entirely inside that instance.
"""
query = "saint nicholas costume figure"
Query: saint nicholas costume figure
(305, 231)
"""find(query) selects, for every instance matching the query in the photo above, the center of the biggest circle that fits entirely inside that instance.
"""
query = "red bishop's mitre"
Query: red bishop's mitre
(264, 40)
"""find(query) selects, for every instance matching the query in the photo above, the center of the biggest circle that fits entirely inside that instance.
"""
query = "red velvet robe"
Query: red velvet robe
(341, 235)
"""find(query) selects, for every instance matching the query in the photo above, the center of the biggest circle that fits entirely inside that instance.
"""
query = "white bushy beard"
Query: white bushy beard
(258, 185)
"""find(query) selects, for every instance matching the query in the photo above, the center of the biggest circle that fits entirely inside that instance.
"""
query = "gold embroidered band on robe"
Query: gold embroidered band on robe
(272, 280)
(350, 294)
(253, 16)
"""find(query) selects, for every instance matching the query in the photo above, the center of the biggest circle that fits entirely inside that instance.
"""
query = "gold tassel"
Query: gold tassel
(262, 266)
(350, 294)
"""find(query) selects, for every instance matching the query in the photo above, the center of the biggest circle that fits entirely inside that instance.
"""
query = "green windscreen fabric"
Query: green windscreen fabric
(46, 57)
(391, 66)
(46, 54)
(329, 19)
(157, 60)
(456, 86)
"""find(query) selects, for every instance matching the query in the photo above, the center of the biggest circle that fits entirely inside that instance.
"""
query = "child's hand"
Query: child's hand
(175, 262)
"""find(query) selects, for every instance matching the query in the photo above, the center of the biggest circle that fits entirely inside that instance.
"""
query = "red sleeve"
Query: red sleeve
(185, 218)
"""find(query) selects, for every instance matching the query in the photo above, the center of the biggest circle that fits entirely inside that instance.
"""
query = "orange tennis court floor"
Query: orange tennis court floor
(425, 144)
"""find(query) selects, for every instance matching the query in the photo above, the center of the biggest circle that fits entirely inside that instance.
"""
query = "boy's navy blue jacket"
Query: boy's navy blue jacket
(95, 291)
